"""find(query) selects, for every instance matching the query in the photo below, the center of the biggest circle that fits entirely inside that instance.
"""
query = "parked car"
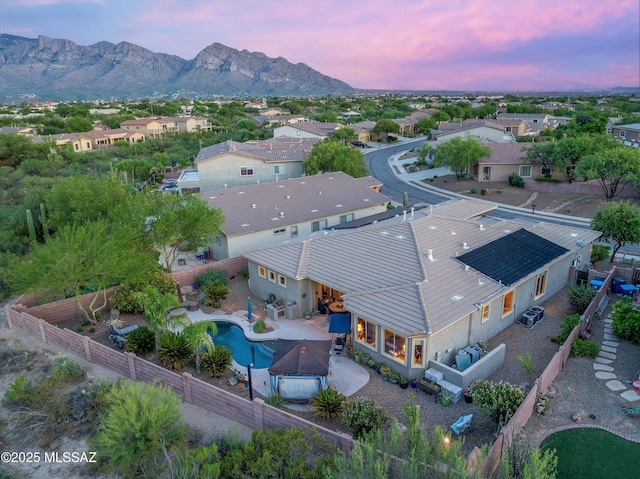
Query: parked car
(359, 144)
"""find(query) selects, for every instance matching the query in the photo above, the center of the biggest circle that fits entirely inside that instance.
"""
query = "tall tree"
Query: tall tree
(333, 156)
(459, 155)
(88, 257)
(569, 151)
(344, 135)
(167, 222)
(425, 125)
(541, 154)
(386, 126)
(619, 223)
(613, 168)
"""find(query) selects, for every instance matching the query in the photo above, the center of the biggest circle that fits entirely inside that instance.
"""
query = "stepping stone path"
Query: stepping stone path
(606, 356)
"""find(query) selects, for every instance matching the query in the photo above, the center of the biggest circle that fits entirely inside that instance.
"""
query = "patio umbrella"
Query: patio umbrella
(249, 315)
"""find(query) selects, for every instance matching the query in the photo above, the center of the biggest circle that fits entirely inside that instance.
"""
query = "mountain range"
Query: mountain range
(59, 70)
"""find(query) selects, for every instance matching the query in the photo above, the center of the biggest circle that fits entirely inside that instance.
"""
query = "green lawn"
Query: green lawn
(593, 454)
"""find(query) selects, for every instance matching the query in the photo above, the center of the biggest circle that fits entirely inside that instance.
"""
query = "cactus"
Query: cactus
(43, 221)
(32, 229)
(405, 199)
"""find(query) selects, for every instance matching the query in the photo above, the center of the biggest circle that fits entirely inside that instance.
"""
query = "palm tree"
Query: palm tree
(198, 336)
(155, 306)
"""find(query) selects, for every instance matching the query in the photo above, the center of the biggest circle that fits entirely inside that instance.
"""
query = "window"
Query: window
(394, 345)
(246, 171)
(282, 281)
(318, 225)
(525, 171)
(279, 231)
(346, 218)
(278, 169)
(541, 284)
(507, 303)
(418, 355)
(272, 276)
(485, 312)
(294, 231)
(366, 332)
(262, 272)
(623, 134)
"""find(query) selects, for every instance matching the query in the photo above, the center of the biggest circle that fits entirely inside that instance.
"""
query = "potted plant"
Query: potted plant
(468, 394)
(446, 397)
(403, 382)
(371, 363)
(394, 377)
(384, 369)
(414, 383)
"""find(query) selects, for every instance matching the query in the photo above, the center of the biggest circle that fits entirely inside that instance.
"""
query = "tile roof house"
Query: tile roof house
(421, 288)
(232, 163)
(481, 130)
(307, 129)
(272, 213)
(151, 127)
(506, 159)
(628, 134)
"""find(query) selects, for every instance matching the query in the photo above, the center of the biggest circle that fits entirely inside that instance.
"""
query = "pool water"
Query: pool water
(232, 336)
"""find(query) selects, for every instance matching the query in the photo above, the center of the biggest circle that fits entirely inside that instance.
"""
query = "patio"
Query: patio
(345, 376)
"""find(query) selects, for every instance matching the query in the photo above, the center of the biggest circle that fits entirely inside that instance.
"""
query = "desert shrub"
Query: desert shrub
(140, 423)
(473, 191)
(214, 293)
(213, 276)
(599, 253)
(513, 179)
(328, 403)
(216, 361)
(123, 297)
(65, 368)
(362, 416)
(174, 351)
(584, 347)
(568, 323)
(140, 341)
(260, 326)
(19, 393)
(497, 400)
(244, 272)
(274, 400)
(626, 321)
(580, 296)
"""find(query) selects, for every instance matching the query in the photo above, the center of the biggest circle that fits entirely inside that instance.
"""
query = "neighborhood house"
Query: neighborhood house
(419, 289)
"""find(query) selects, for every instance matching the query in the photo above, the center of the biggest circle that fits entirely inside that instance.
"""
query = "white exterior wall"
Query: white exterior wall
(225, 169)
(235, 245)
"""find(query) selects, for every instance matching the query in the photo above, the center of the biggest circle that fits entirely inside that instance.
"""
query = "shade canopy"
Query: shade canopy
(301, 357)
(340, 323)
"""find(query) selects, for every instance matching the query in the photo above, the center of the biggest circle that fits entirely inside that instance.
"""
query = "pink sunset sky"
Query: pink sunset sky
(374, 44)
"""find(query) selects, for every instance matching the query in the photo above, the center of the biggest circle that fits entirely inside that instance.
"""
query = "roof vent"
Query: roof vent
(282, 214)
(430, 255)
(465, 246)
(319, 192)
(466, 267)
(225, 186)
(481, 227)
(253, 205)
(453, 233)
(480, 282)
(288, 197)
(457, 297)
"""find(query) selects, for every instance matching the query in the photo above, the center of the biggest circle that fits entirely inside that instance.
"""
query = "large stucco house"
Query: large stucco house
(272, 213)
(307, 129)
(481, 130)
(424, 286)
(232, 163)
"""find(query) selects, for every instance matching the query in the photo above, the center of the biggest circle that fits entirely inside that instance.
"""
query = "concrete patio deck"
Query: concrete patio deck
(345, 376)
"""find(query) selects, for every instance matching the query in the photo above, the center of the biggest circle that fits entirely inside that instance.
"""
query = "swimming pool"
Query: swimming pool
(232, 336)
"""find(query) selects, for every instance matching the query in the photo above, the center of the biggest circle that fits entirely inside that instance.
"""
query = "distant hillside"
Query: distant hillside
(59, 70)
